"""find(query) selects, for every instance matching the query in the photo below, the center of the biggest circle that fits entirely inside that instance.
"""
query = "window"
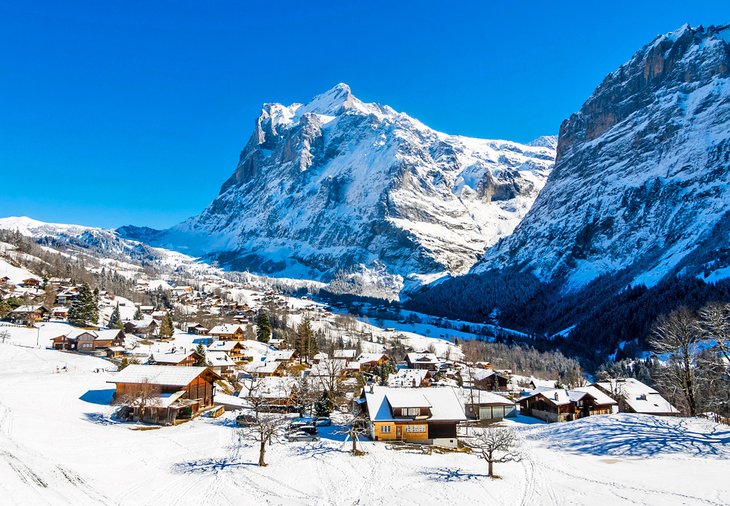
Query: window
(385, 429)
(411, 411)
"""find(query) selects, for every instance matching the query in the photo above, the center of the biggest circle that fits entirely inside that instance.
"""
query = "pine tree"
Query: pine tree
(115, 320)
(306, 342)
(323, 406)
(263, 327)
(200, 350)
(84, 310)
(138, 314)
(4, 308)
(166, 326)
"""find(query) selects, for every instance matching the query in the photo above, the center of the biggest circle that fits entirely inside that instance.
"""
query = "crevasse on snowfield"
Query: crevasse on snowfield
(335, 183)
(642, 176)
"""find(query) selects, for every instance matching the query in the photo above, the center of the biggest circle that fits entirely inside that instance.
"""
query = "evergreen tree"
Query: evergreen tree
(4, 308)
(200, 350)
(138, 314)
(84, 309)
(115, 320)
(306, 342)
(167, 328)
(323, 406)
(263, 327)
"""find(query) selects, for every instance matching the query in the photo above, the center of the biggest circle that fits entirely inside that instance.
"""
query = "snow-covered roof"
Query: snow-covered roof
(422, 358)
(364, 358)
(540, 383)
(270, 387)
(266, 367)
(280, 355)
(219, 359)
(224, 345)
(640, 397)
(407, 378)
(27, 309)
(601, 398)
(561, 396)
(158, 375)
(475, 396)
(108, 334)
(345, 353)
(226, 329)
(170, 358)
(444, 402)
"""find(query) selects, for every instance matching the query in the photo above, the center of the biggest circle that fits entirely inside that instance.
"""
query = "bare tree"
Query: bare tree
(715, 322)
(496, 445)
(4, 336)
(354, 428)
(264, 428)
(676, 335)
(139, 397)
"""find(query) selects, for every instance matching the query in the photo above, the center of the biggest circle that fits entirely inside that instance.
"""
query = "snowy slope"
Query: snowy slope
(642, 177)
(323, 187)
(81, 456)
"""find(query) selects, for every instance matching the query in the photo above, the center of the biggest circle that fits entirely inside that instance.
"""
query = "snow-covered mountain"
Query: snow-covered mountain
(642, 177)
(337, 185)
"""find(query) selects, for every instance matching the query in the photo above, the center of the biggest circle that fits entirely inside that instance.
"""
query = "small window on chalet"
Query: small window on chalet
(411, 411)
(385, 428)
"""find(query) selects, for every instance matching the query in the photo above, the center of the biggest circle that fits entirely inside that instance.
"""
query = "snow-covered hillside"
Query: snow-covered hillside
(58, 445)
(642, 177)
(323, 187)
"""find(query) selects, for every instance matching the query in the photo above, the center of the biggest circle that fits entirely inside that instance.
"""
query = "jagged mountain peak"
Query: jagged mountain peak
(336, 183)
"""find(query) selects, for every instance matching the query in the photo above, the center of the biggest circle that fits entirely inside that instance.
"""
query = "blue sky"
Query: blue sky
(124, 112)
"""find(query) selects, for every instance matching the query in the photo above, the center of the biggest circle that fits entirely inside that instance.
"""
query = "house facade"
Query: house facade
(417, 415)
(175, 391)
(560, 405)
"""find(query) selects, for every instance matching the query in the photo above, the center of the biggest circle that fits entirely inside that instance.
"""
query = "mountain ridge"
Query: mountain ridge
(337, 185)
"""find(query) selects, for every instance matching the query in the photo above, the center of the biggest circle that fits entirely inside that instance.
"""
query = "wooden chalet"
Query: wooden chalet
(174, 392)
(486, 379)
(560, 405)
(197, 329)
(32, 283)
(234, 349)
(633, 396)
(228, 332)
(419, 415)
(369, 361)
(28, 315)
(92, 340)
(422, 361)
(411, 378)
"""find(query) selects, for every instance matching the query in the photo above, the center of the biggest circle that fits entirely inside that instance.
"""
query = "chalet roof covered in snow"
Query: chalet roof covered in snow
(159, 375)
(219, 359)
(408, 377)
(475, 396)
(444, 402)
(226, 329)
(170, 358)
(422, 358)
(641, 398)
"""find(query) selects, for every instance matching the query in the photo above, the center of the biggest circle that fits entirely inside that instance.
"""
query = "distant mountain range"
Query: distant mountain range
(341, 189)
(375, 203)
(634, 218)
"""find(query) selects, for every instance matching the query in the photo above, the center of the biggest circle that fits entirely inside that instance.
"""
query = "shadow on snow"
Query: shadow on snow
(636, 436)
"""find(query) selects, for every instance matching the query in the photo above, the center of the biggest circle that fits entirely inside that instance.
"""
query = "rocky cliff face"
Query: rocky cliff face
(642, 176)
(328, 187)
